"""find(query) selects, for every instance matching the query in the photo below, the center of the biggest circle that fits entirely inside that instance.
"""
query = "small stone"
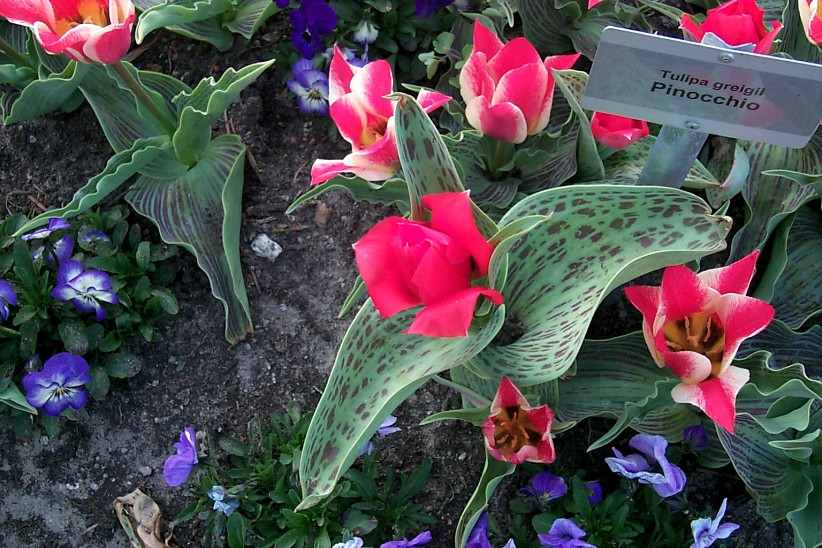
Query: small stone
(145, 471)
(321, 214)
(32, 139)
(462, 456)
(265, 247)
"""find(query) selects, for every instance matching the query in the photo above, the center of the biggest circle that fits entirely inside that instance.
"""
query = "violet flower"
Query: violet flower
(695, 437)
(479, 534)
(62, 249)
(594, 492)
(310, 86)
(282, 3)
(310, 23)
(91, 238)
(564, 533)
(222, 502)
(670, 481)
(546, 487)
(178, 467)
(55, 224)
(426, 8)
(707, 531)
(86, 289)
(510, 544)
(420, 540)
(366, 33)
(59, 384)
(7, 298)
(355, 542)
(386, 429)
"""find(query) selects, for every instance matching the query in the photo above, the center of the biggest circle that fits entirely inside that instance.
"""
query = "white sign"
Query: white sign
(705, 88)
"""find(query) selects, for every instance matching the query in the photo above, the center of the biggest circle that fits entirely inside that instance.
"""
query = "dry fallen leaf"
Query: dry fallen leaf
(141, 520)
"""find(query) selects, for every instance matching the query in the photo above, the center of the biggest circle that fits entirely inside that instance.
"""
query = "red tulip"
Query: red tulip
(507, 88)
(694, 324)
(736, 22)
(84, 30)
(408, 263)
(617, 131)
(810, 11)
(365, 118)
(515, 432)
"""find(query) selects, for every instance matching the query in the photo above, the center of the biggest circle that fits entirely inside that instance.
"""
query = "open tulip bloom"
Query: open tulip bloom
(737, 23)
(407, 263)
(695, 323)
(84, 30)
(617, 131)
(507, 88)
(365, 118)
(514, 431)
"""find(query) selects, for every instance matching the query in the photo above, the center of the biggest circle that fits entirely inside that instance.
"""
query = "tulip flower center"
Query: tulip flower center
(701, 332)
(512, 431)
(89, 12)
(373, 133)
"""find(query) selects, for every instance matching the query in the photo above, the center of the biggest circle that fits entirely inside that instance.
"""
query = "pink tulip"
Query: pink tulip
(694, 324)
(507, 88)
(515, 432)
(737, 22)
(617, 131)
(84, 30)
(810, 11)
(365, 118)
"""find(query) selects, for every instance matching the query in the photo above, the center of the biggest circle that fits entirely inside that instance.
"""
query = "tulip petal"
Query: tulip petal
(734, 278)
(452, 214)
(691, 367)
(485, 40)
(109, 44)
(735, 30)
(715, 396)
(691, 28)
(71, 43)
(503, 121)
(27, 12)
(371, 84)
(437, 275)
(475, 80)
(508, 395)
(340, 73)
(765, 43)
(741, 317)
(451, 317)
(431, 100)
(682, 294)
(558, 62)
(524, 87)
(514, 54)
(350, 118)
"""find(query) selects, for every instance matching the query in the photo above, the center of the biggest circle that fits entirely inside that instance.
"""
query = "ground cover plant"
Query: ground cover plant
(496, 222)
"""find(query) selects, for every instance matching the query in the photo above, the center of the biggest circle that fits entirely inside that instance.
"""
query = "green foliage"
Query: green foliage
(261, 474)
(141, 271)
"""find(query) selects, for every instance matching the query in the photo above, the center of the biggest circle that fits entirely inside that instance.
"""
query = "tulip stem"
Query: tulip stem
(162, 115)
(18, 59)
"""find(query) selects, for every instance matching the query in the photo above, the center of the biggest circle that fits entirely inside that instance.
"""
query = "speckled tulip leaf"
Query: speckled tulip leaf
(376, 368)
(201, 211)
(626, 165)
(166, 15)
(771, 199)
(572, 85)
(466, 151)
(549, 161)
(599, 237)
(492, 474)
(390, 192)
(206, 30)
(792, 38)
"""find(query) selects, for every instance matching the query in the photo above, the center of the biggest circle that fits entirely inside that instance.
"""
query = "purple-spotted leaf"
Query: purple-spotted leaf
(599, 237)
(376, 368)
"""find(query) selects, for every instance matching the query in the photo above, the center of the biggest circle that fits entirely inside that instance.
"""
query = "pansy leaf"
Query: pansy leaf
(164, 15)
(390, 192)
(206, 30)
(201, 211)
(11, 396)
(376, 368)
(492, 474)
(599, 237)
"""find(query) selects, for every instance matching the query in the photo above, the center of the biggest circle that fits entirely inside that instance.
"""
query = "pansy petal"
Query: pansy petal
(176, 470)
(734, 278)
(741, 317)
(371, 84)
(69, 270)
(485, 40)
(725, 530)
(715, 396)
(452, 316)
(63, 292)
(504, 121)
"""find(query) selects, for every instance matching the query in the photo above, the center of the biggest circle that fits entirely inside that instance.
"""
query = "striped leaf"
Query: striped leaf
(492, 474)
(572, 85)
(47, 94)
(599, 237)
(201, 211)
(167, 15)
(206, 30)
(249, 16)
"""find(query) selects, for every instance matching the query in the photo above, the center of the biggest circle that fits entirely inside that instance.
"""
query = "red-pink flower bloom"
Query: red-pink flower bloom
(810, 11)
(411, 263)
(84, 30)
(737, 22)
(508, 90)
(365, 118)
(694, 324)
(617, 131)
(515, 432)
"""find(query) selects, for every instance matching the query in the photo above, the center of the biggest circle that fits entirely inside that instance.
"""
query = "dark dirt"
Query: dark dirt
(59, 493)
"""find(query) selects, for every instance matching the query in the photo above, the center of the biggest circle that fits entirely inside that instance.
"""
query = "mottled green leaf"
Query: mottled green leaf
(572, 85)
(390, 192)
(466, 150)
(792, 38)
(733, 183)
(492, 474)
(599, 237)
(202, 211)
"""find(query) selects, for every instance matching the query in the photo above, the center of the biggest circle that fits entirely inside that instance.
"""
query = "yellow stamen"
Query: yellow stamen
(90, 12)
(513, 431)
(701, 333)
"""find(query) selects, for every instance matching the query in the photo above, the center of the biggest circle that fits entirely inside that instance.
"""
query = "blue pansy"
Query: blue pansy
(86, 289)
(59, 385)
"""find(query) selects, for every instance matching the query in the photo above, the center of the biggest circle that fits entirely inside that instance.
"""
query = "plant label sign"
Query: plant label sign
(705, 88)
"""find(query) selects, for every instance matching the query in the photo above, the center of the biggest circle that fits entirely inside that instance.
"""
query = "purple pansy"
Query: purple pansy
(282, 4)
(546, 487)
(222, 502)
(178, 467)
(479, 534)
(594, 492)
(90, 238)
(668, 482)
(426, 8)
(510, 544)
(310, 23)
(420, 540)
(86, 289)
(695, 437)
(386, 429)
(310, 86)
(55, 224)
(59, 385)
(564, 533)
(707, 531)
(7, 298)
(62, 249)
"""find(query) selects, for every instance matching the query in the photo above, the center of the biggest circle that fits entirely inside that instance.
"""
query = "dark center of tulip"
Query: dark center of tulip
(701, 332)
(512, 431)
(92, 12)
